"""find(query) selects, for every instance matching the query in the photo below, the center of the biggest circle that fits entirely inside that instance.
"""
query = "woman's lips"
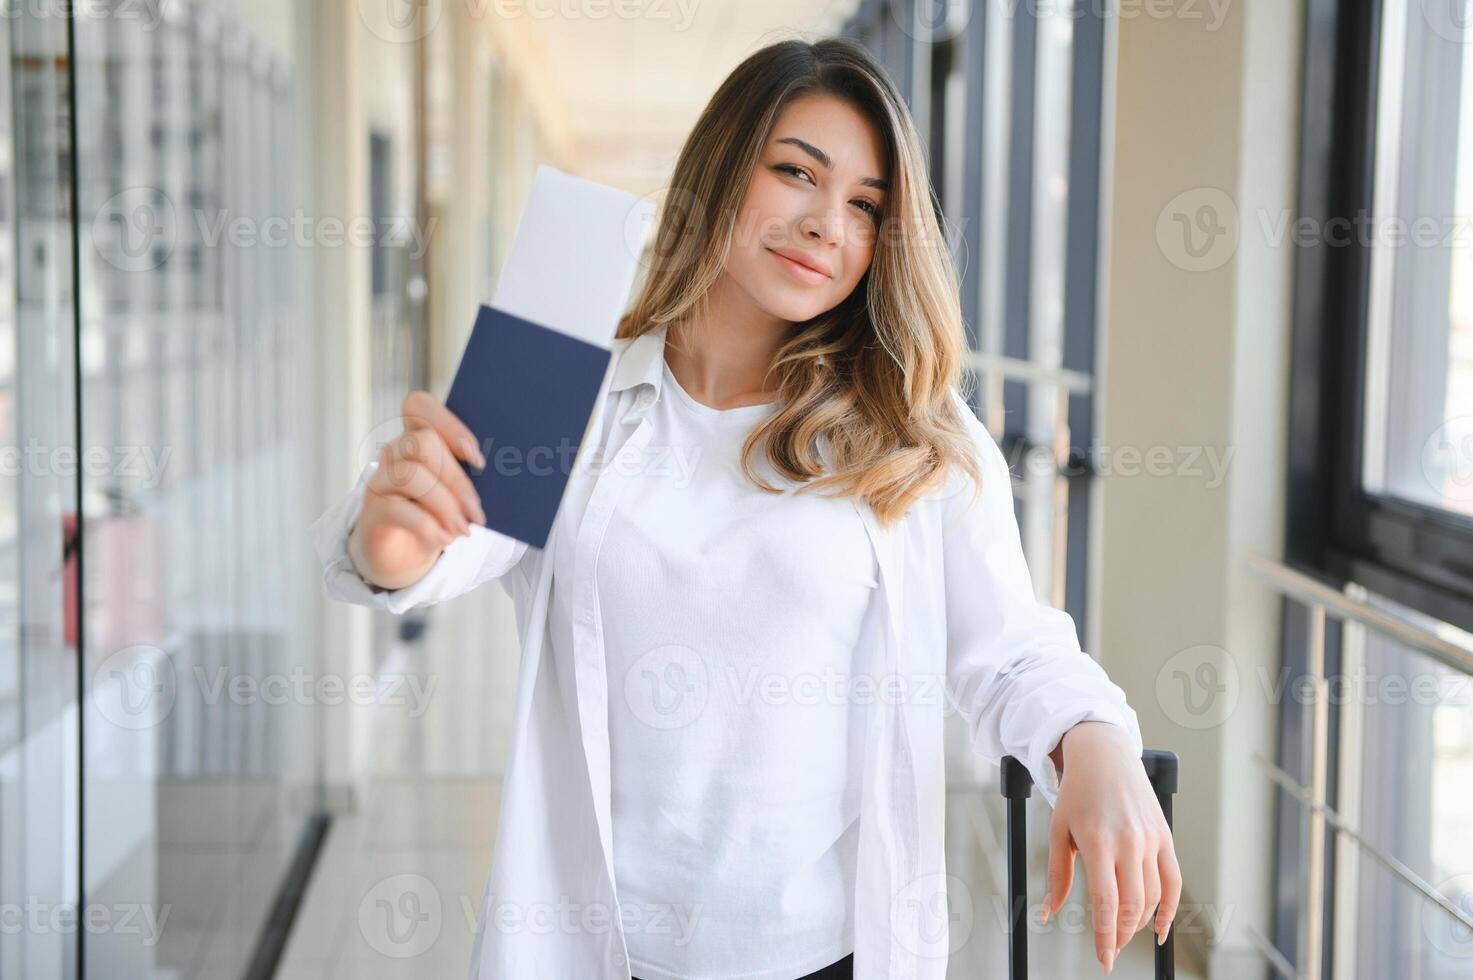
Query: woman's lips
(799, 271)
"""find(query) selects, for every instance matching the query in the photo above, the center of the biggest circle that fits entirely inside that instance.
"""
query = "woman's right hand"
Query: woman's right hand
(419, 499)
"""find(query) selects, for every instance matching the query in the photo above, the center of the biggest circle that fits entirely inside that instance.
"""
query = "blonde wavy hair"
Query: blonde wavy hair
(873, 378)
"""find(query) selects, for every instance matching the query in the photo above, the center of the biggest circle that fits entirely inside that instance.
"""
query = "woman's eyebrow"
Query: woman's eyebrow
(828, 164)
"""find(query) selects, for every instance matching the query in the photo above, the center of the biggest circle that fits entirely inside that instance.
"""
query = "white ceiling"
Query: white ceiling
(634, 86)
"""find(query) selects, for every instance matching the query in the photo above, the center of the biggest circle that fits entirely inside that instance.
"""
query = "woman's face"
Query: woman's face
(814, 200)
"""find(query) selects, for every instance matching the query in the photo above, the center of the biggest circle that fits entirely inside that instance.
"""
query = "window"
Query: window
(1008, 98)
(1380, 431)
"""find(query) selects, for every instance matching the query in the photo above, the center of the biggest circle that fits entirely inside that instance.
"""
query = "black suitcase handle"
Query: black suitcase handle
(1017, 786)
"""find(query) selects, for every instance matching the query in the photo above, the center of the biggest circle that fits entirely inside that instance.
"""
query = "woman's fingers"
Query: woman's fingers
(421, 409)
(1170, 890)
(1151, 875)
(412, 481)
(417, 460)
(395, 514)
(439, 439)
(433, 452)
(1104, 898)
(1132, 895)
(419, 498)
(1060, 865)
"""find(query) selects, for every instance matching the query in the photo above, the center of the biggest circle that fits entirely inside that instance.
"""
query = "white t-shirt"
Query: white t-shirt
(731, 617)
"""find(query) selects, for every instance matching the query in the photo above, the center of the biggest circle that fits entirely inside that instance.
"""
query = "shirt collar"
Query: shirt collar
(642, 362)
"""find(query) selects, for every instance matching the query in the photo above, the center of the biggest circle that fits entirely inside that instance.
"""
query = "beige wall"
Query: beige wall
(1195, 360)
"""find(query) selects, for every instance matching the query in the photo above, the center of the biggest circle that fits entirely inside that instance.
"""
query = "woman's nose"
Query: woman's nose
(826, 225)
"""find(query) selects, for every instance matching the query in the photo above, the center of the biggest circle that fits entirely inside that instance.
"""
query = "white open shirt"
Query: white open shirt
(959, 627)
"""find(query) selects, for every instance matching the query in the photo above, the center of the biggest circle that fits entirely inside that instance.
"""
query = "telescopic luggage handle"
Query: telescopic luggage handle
(1017, 786)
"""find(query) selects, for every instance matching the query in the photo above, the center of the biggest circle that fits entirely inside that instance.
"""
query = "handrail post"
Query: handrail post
(1313, 910)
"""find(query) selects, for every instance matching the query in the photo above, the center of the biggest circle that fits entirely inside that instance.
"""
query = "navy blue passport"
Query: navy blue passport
(527, 392)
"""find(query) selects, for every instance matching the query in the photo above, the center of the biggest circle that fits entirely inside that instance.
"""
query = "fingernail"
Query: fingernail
(1043, 913)
(1109, 962)
(1160, 937)
(475, 453)
(474, 506)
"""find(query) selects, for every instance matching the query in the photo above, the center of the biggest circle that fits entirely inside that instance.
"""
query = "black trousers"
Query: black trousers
(842, 970)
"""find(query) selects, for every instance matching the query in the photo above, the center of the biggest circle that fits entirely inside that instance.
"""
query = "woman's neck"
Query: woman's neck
(723, 358)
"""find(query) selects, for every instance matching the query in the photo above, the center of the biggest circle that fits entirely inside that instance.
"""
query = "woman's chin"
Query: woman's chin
(795, 309)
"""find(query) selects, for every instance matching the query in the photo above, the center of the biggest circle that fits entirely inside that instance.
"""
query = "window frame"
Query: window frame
(1334, 528)
(1406, 550)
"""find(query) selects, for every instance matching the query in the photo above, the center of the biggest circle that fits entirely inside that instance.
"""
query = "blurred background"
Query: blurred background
(1215, 265)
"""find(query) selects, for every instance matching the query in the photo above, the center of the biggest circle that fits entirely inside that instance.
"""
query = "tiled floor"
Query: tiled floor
(397, 885)
(399, 880)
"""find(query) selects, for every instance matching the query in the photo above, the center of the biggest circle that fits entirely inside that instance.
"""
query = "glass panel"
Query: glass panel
(1401, 933)
(395, 348)
(1419, 373)
(198, 736)
(1295, 755)
(38, 522)
(1410, 709)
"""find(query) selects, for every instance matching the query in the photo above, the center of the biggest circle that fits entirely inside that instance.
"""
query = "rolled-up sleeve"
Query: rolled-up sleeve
(467, 562)
(1015, 669)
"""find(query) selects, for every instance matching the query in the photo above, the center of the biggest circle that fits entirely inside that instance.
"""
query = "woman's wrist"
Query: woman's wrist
(1088, 736)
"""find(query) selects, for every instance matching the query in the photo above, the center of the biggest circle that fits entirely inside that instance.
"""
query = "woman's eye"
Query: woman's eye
(868, 207)
(796, 171)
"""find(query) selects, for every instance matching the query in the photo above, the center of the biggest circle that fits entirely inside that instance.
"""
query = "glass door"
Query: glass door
(39, 623)
(159, 695)
(201, 692)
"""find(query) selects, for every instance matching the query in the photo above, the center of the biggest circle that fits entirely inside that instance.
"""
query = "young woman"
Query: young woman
(741, 640)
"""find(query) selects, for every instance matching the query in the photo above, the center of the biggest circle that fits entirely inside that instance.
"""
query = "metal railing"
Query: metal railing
(1063, 383)
(1351, 606)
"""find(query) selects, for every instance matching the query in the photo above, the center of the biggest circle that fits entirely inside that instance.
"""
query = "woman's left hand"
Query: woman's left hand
(1108, 812)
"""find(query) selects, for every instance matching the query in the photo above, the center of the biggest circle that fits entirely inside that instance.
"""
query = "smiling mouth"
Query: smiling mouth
(799, 271)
